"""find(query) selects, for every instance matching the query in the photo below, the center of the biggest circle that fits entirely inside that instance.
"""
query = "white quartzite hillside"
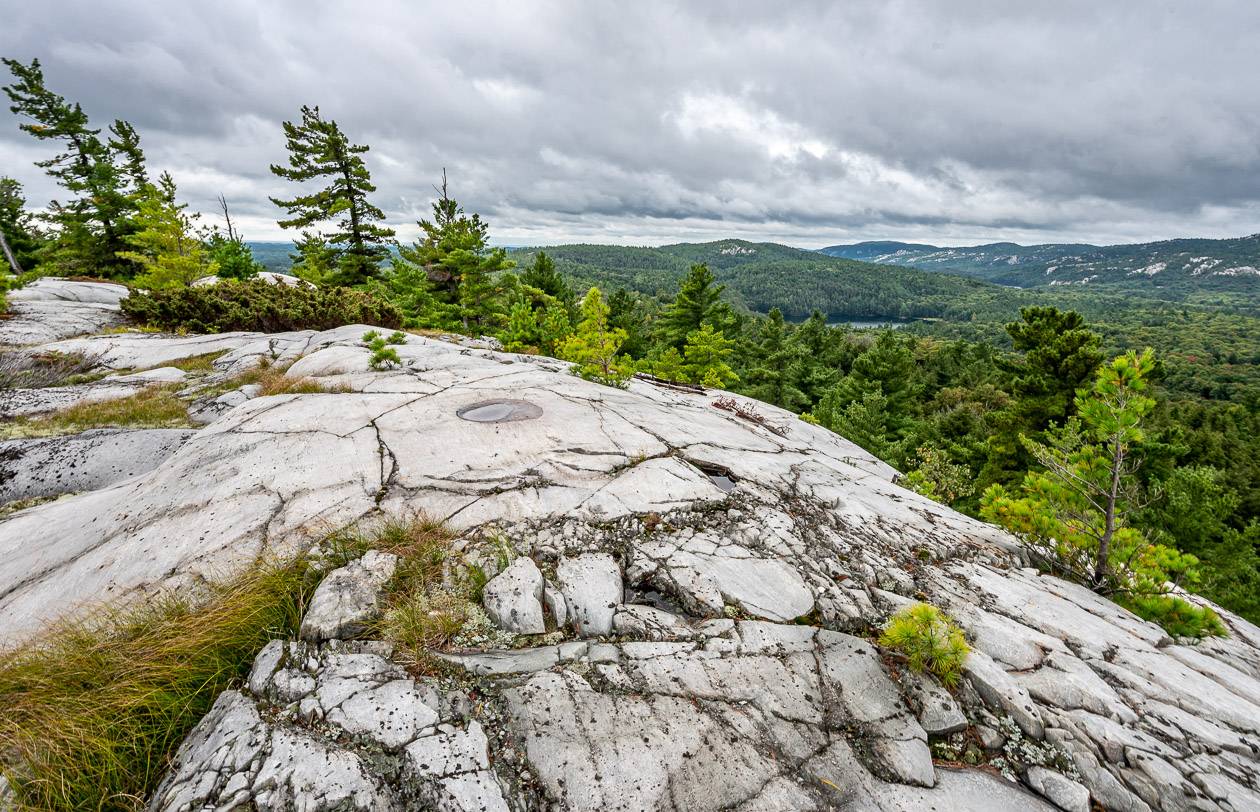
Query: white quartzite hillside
(716, 647)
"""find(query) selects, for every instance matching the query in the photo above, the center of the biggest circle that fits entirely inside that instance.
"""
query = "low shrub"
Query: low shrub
(257, 305)
(1178, 616)
(94, 708)
(930, 641)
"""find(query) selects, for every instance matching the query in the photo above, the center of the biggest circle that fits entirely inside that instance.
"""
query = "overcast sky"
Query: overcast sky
(807, 123)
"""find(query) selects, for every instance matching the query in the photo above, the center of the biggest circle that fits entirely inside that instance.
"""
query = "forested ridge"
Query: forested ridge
(1169, 266)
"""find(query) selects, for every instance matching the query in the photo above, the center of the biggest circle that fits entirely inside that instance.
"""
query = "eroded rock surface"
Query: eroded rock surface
(727, 661)
(51, 466)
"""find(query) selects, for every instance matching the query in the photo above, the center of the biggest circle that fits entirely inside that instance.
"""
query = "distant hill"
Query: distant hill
(1227, 265)
(766, 275)
(274, 256)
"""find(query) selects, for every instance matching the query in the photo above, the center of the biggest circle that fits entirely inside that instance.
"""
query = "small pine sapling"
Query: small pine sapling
(383, 355)
(930, 641)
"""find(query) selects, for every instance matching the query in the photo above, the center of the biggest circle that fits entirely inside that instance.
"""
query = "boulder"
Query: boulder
(49, 309)
(513, 598)
(592, 588)
(349, 598)
(266, 276)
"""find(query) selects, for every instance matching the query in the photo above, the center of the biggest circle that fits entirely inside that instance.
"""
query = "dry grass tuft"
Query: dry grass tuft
(274, 380)
(196, 363)
(94, 708)
(154, 407)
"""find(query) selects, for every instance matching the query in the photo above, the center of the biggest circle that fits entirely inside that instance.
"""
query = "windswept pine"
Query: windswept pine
(353, 249)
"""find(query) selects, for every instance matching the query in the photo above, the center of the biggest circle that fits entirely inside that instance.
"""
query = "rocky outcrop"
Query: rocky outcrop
(710, 585)
(49, 309)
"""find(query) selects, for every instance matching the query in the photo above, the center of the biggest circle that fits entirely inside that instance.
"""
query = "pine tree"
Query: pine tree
(228, 251)
(696, 303)
(542, 274)
(319, 150)
(103, 177)
(17, 227)
(774, 378)
(1076, 513)
(166, 244)
(314, 260)
(705, 358)
(1060, 356)
(593, 347)
(459, 267)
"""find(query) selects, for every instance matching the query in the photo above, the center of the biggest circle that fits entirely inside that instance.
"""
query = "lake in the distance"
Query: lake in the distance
(869, 325)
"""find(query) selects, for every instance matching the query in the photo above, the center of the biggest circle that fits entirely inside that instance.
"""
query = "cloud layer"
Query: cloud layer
(811, 123)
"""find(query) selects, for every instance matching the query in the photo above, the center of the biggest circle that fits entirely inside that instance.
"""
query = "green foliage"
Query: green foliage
(165, 244)
(594, 346)
(1076, 514)
(95, 707)
(762, 276)
(1060, 356)
(695, 305)
(705, 358)
(542, 275)
(231, 258)
(383, 355)
(319, 150)
(18, 227)
(937, 478)
(257, 305)
(1179, 617)
(930, 641)
(450, 276)
(101, 175)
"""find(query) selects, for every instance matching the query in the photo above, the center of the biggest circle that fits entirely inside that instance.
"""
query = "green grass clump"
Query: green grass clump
(94, 708)
(930, 641)
(1178, 616)
(153, 407)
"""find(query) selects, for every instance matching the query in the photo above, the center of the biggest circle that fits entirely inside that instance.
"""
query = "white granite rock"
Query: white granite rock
(1062, 791)
(513, 598)
(266, 276)
(348, 598)
(592, 588)
(49, 309)
(700, 710)
(50, 466)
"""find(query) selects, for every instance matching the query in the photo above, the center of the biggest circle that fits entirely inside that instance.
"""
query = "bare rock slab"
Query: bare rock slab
(349, 598)
(51, 466)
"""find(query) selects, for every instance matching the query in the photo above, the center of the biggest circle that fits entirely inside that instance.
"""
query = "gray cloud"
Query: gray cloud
(811, 124)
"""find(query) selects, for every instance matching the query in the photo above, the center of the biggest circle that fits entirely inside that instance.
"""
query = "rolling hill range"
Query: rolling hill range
(1223, 265)
(767, 275)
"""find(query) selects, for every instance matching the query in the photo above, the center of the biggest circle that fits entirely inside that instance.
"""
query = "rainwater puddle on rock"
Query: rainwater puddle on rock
(718, 475)
(500, 411)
